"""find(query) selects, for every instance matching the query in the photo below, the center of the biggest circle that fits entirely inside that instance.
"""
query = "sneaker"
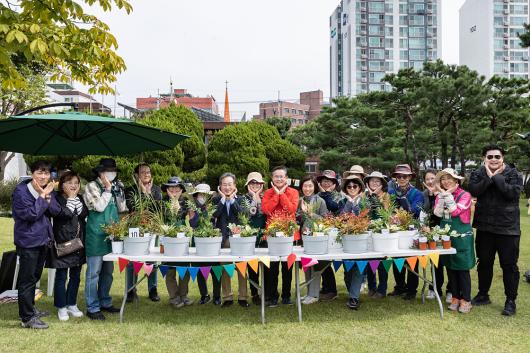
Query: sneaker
(74, 311)
(273, 303)
(465, 307)
(187, 301)
(176, 302)
(396, 293)
(448, 297)
(430, 294)
(378, 295)
(227, 303)
(216, 301)
(98, 315)
(328, 296)
(39, 313)
(153, 295)
(62, 313)
(36, 323)
(310, 300)
(110, 309)
(287, 301)
(131, 297)
(353, 303)
(509, 308)
(243, 303)
(205, 299)
(455, 303)
(481, 299)
(371, 292)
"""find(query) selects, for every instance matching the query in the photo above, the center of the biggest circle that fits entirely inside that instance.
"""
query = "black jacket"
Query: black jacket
(223, 217)
(131, 192)
(497, 208)
(65, 229)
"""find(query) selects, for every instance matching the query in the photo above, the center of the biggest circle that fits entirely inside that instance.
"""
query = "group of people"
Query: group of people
(45, 219)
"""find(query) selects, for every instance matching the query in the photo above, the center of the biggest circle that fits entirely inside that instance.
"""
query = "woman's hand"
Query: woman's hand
(106, 182)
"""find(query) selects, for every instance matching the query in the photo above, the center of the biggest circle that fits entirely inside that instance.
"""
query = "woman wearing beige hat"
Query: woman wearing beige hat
(354, 199)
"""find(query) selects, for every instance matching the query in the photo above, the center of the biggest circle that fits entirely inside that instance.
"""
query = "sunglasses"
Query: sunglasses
(401, 176)
(491, 156)
(352, 186)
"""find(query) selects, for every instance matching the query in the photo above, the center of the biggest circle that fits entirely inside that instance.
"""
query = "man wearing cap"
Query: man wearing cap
(328, 185)
(411, 200)
(497, 187)
(105, 199)
(143, 186)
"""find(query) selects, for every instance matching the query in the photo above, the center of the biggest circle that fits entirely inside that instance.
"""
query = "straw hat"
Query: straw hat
(202, 189)
(256, 177)
(355, 169)
(376, 175)
(448, 171)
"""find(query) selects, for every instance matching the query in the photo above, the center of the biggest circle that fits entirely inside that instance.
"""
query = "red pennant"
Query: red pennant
(290, 260)
(122, 263)
(137, 266)
(412, 262)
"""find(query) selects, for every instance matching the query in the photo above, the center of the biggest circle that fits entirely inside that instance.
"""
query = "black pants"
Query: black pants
(486, 245)
(329, 285)
(461, 284)
(201, 282)
(31, 262)
(439, 275)
(411, 287)
(216, 283)
(271, 281)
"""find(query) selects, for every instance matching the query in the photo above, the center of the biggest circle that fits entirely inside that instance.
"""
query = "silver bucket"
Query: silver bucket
(242, 246)
(176, 246)
(355, 244)
(315, 245)
(136, 246)
(280, 246)
(207, 246)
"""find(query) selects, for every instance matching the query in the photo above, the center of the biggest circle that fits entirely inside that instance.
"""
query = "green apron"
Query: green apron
(95, 242)
(464, 259)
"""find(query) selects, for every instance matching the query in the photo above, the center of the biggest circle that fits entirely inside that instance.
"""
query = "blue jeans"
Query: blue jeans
(132, 278)
(383, 280)
(356, 280)
(97, 283)
(66, 295)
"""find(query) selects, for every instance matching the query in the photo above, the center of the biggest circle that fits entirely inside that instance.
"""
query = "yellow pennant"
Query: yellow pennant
(242, 267)
(423, 260)
(254, 265)
(434, 256)
(265, 260)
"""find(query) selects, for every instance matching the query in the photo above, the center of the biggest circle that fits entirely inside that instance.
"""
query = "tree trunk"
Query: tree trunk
(5, 158)
(443, 151)
(454, 145)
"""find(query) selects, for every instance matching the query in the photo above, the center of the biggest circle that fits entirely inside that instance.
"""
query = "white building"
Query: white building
(372, 38)
(488, 37)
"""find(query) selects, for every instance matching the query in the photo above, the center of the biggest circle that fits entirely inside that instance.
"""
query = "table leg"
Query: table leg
(424, 285)
(297, 285)
(436, 294)
(125, 291)
(262, 291)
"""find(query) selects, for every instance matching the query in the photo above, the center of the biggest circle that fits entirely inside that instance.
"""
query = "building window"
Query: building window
(376, 66)
(416, 20)
(376, 19)
(416, 54)
(403, 43)
(376, 30)
(518, 21)
(377, 54)
(518, 67)
(389, 31)
(67, 99)
(311, 167)
(378, 7)
(403, 54)
(389, 43)
(416, 31)
(376, 42)
(376, 76)
(417, 43)
(286, 110)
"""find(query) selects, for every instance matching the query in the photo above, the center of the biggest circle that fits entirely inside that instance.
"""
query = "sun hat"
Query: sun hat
(352, 178)
(105, 165)
(202, 189)
(173, 181)
(257, 177)
(355, 169)
(448, 171)
(403, 169)
(328, 174)
(375, 175)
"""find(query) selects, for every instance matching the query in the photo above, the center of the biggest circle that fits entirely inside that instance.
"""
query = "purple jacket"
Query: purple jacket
(32, 223)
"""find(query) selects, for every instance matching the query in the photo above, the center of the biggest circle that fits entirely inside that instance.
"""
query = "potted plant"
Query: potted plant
(116, 231)
(207, 238)
(334, 241)
(243, 237)
(405, 223)
(354, 232)
(315, 239)
(384, 232)
(176, 239)
(422, 243)
(280, 234)
(145, 220)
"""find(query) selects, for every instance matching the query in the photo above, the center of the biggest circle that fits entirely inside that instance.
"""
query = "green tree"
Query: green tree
(281, 124)
(60, 35)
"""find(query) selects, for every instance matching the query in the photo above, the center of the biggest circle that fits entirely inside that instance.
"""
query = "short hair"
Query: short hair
(311, 179)
(137, 168)
(67, 176)
(227, 175)
(430, 171)
(492, 147)
(352, 181)
(41, 164)
(280, 167)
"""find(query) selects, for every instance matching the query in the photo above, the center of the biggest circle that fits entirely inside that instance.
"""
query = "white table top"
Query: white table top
(224, 256)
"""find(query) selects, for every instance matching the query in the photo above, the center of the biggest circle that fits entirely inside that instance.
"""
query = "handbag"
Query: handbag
(70, 246)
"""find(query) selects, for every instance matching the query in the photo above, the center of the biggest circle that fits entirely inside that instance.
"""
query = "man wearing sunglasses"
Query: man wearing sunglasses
(497, 187)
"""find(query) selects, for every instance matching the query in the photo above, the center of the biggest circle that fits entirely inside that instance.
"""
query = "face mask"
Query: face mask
(110, 176)
(201, 200)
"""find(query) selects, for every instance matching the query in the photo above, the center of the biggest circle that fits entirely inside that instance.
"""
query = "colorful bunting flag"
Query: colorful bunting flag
(399, 263)
(361, 265)
(435, 257)
(423, 260)
(230, 268)
(182, 271)
(412, 261)
(163, 270)
(217, 271)
(193, 272)
(137, 266)
(374, 264)
(387, 264)
(337, 264)
(290, 260)
(348, 265)
(307, 262)
(205, 271)
(122, 263)
(148, 268)
(265, 260)
(254, 264)
(242, 268)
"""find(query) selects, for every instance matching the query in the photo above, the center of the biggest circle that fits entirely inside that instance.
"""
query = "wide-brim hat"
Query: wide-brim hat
(201, 189)
(355, 169)
(378, 175)
(352, 178)
(448, 171)
(328, 174)
(105, 164)
(173, 181)
(403, 169)
(257, 177)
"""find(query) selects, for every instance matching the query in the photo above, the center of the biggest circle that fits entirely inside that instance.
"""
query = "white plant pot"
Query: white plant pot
(117, 247)
(356, 244)
(315, 245)
(207, 246)
(176, 246)
(388, 242)
(242, 246)
(406, 239)
(280, 246)
(136, 246)
(334, 246)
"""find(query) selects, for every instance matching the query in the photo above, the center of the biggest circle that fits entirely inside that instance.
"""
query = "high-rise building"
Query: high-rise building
(372, 38)
(488, 37)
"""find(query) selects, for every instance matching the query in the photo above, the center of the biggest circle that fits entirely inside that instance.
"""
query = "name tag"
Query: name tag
(134, 232)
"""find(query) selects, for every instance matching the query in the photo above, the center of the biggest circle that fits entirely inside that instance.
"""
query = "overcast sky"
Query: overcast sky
(259, 47)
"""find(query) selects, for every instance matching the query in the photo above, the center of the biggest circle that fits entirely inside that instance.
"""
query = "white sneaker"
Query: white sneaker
(186, 301)
(310, 300)
(449, 298)
(430, 295)
(62, 313)
(303, 298)
(74, 311)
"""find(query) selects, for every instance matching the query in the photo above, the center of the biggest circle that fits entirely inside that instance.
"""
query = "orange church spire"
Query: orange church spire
(227, 105)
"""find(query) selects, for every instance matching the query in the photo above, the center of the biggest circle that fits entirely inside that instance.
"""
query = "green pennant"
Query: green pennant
(217, 271)
(387, 264)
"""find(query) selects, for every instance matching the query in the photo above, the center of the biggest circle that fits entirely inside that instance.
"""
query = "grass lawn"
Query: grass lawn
(388, 325)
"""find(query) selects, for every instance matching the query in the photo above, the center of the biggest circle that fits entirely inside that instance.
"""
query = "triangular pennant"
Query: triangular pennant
(122, 263)
(137, 266)
(182, 271)
(290, 260)
(336, 265)
(193, 272)
(254, 264)
(361, 265)
(399, 263)
(423, 261)
(217, 271)
(348, 265)
(435, 257)
(148, 268)
(387, 264)
(205, 271)
(163, 270)
(242, 268)
(307, 262)
(412, 261)
(265, 260)
(230, 268)
(374, 264)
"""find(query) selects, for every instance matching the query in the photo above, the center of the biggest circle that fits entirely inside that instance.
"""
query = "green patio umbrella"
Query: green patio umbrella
(74, 133)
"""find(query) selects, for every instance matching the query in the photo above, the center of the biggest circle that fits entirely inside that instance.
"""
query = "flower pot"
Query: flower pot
(356, 244)
(385, 242)
(280, 246)
(136, 246)
(446, 244)
(422, 245)
(334, 245)
(117, 247)
(176, 246)
(315, 245)
(161, 244)
(208, 246)
(432, 245)
(406, 239)
(242, 246)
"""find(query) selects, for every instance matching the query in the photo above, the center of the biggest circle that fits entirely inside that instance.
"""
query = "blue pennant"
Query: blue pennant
(163, 270)
(348, 265)
(361, 265)
(399, 263)
(230, 269)
(337, 264)
(182, 271)
(193, 272)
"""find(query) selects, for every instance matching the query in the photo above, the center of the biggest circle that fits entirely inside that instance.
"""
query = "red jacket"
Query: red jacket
(288, 202)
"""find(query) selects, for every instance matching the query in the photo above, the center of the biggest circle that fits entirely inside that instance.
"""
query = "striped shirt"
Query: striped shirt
(74, 205)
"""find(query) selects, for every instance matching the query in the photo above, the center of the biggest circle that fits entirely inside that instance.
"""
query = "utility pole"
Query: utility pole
(115, 93)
